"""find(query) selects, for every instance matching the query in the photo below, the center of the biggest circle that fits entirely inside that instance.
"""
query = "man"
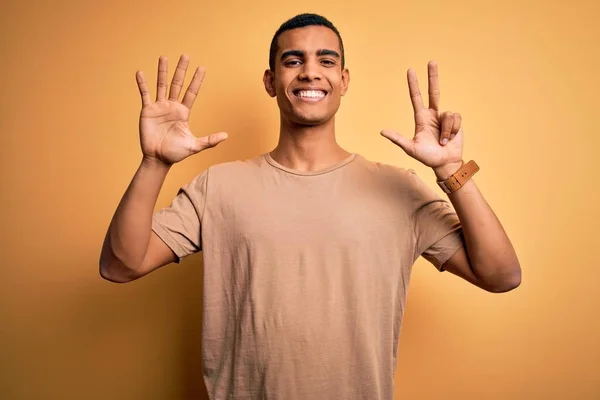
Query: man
(307, 249)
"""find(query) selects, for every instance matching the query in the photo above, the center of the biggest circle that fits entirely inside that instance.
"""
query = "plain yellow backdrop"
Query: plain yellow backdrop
(522, 74)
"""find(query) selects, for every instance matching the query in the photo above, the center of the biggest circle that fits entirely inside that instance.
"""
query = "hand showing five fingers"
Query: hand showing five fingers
(438, 138)
(164, 130)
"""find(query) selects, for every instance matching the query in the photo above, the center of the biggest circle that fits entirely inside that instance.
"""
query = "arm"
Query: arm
(487, 258)
(130, 249)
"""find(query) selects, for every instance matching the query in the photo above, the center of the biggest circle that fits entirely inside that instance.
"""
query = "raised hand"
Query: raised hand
(438, 139)
(164, 130)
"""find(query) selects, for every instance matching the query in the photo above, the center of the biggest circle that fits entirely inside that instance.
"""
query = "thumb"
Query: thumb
(207, 142)
(406, 144)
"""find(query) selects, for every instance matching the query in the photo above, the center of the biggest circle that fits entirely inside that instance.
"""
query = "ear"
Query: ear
(269, 81)
(345, 80)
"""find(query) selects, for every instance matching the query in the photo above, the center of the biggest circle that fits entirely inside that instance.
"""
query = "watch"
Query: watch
(459, 178)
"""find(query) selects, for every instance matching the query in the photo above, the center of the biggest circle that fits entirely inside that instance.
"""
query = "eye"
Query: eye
(328, 62)
(292, 63)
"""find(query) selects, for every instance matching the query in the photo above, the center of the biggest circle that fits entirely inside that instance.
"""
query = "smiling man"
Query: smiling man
(307, 249)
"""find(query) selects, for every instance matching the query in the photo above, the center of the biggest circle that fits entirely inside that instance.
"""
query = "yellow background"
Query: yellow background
(523, 74)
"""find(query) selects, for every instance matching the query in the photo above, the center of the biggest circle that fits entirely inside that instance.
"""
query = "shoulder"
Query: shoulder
(231, 170)
(397, 182)
(227, 172)
(234, 178)
(387, 173)
(235, 168)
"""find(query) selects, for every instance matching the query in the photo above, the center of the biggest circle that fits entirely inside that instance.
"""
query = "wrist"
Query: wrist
(155, 164)
(445, 171)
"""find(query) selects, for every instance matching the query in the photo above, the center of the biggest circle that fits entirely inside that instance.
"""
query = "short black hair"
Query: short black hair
(301, 21)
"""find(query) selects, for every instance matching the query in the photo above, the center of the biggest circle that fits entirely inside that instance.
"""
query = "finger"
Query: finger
(456, 125)
(192, 91)
(446, 129)
(161, 82)
(434, 85)
(143, 86)
(178, 77)
(404, 143)
(415, 93)
(207, 142)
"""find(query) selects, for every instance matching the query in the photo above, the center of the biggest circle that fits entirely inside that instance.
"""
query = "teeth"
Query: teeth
(311, 93)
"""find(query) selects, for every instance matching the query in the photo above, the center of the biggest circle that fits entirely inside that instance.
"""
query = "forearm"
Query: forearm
(128, 235)
(491, 254)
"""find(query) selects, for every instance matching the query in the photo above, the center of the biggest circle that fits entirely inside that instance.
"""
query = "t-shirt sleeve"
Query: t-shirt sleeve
(438, 232)
(179, 224)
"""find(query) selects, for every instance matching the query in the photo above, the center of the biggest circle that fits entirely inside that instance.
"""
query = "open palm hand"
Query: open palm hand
(164, 124)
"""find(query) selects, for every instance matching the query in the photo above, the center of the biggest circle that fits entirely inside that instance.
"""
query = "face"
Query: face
(308, 79)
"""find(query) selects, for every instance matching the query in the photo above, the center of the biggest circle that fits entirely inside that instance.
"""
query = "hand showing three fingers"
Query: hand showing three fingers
(438, 138)
(164, 130)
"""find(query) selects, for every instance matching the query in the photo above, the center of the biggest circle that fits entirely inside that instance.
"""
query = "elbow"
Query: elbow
(507, 281)
(115, 271)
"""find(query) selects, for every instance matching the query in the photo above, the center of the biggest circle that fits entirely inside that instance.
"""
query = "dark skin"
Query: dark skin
(308, 82)
(488, 259)
(131, 249)
(308, 59)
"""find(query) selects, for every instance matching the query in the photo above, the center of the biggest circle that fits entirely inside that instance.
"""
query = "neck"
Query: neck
(308, 148)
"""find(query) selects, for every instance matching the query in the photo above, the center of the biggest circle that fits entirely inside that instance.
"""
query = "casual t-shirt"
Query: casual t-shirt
(305, 273)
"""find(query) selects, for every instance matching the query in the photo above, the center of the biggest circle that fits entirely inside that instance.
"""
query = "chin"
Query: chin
(309, 119)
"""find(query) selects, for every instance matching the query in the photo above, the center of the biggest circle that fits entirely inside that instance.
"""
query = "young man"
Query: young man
(308, 249)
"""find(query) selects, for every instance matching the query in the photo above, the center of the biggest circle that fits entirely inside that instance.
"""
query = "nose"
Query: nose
(310, 71)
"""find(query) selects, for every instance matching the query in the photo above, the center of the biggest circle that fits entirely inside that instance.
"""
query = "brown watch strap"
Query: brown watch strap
(459, 178)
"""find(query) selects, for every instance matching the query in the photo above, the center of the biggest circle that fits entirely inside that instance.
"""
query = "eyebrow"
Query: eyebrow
(300, 53)
(327, 52)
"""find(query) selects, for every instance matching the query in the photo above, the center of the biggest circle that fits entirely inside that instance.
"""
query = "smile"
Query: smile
(310, 95)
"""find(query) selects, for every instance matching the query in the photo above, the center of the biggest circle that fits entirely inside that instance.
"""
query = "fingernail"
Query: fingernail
(452, 136)
(444, 141)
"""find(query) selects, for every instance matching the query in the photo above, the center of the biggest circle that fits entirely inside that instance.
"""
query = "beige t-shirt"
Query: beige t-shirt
(305, 274)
